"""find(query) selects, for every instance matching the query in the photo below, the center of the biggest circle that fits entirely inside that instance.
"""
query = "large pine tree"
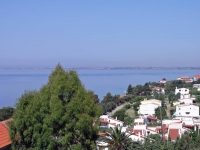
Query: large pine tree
(58, 116)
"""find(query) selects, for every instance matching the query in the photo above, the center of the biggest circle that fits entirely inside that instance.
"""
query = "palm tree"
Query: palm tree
(117, 139)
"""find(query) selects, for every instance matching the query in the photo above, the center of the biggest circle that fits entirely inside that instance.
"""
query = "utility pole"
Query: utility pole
(161, 123)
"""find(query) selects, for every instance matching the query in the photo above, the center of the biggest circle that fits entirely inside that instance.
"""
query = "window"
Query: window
(187, 113)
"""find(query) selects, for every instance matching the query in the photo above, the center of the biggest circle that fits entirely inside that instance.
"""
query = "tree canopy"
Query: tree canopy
(58, 116)
(117, 139)
(110, 102)
(6, 113)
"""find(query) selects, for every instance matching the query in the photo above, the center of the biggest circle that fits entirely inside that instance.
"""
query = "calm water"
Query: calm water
(13, 83)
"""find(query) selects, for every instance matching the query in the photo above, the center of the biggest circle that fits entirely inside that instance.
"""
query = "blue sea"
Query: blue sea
(13, 82)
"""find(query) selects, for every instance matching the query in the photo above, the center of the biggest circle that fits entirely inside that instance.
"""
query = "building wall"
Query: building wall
(186, 101)
(148, 109)
(182, 91)
(189, 110)
(117, 122)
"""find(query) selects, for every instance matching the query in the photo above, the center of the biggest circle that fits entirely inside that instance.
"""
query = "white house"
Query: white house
(187, 110)
(158, 90)
(163, 80)
(187, 122)
(186, 79)
(182, 91)
(186, 101)
(139, 120)
(140, 129)
(137, 137)
(175, 131)
(196, 77)
(196, 86)
(107, 121)
(148, 107)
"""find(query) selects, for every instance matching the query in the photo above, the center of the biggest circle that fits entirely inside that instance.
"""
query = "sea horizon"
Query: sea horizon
(13, 82)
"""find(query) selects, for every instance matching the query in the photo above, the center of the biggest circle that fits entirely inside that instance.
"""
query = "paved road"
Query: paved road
(116, 109)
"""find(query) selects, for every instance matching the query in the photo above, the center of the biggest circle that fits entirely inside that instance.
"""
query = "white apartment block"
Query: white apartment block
(187, 110)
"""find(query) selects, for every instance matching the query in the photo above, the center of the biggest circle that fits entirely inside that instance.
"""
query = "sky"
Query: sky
(99, 33)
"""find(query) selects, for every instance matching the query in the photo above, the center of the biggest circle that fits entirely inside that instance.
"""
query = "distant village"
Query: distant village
(185, 118)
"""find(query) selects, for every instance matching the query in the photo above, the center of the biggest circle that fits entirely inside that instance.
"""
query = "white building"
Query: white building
(137, 137)
(186, 101)
(140, 129)
(148, 107)
(139, 120)
(196, 77)
(196, 86)
(186, 79)
(187, 110)
(163, 80)
(182, 91)
(107, 121)
(158, 90)
(175, 131)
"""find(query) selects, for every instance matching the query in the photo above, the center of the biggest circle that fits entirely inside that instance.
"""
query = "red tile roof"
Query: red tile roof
(103, 121)
(114, 124)
(184, 77)
(197, 76)
(159, 128)
(138, 131)
(4, 135)
(130, 129)
(122, 96)
(173, 134)
(188, 126)
(151, 118)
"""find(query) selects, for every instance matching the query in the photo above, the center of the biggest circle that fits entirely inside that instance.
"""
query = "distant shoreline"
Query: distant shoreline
(106, 68)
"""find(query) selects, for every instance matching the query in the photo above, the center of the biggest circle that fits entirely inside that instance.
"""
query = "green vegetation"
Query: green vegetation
(58, 116)
(117, 139)
(120, 141)
(188, 141)
(195, 92)
(138, 90)
(123, 116)
(120, 114)
(104, 129)
(173, 97)
(6, 113)
(61, 114)
(130, 112)
(163, 112)
(110, 102)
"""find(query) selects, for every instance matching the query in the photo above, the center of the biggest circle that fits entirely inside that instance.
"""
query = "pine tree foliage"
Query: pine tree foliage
(6, 113)
(58, 116)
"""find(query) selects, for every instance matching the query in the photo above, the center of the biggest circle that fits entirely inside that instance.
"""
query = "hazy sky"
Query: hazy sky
(95, 33)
